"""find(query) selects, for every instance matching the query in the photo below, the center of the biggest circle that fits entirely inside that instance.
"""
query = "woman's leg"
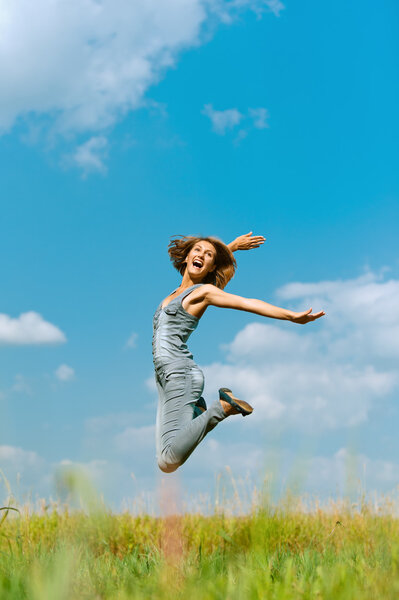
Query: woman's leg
(178, 432)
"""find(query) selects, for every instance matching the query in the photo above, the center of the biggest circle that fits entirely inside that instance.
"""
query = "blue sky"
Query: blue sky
(125, 124)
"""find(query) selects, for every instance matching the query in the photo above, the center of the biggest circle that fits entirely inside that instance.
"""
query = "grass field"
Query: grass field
(277, 552)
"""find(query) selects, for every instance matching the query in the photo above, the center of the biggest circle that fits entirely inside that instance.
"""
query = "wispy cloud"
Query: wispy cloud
(18, 458)
(327, 374)
(90, 156)
(31, 475)
(132, 340)
(29, 329)
(228, 11)
(275, 6)
(259, 116)
(84, 65)
(222, 120)
(134, 440)
(21, 385)
(324, 475)
(230, 118)
(65, 373)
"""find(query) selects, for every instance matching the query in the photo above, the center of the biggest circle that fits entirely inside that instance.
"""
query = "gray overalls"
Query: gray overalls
(180, 382)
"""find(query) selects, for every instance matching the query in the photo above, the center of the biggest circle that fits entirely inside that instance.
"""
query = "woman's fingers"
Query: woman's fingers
(306, 316)
(254, 237)
(247, 241)
(319, 314)
(316, 315)
(257, 239)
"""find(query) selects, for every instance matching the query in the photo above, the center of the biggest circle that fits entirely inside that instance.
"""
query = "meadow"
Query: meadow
(287, 550)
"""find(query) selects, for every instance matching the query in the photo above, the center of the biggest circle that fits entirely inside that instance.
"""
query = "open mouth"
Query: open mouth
(197, 263)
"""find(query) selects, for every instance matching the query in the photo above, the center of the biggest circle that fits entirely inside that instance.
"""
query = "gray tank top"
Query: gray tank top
(172, 326)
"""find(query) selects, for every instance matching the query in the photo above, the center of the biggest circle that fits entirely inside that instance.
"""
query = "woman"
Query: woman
(183, 420)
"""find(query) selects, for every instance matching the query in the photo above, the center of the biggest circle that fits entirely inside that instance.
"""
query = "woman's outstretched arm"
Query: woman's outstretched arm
(213, 296)
(246, 242)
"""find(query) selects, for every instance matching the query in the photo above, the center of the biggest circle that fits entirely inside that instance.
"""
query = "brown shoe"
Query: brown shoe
(240, 405)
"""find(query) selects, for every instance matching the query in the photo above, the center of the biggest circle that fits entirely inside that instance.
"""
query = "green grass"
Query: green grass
(280, 552)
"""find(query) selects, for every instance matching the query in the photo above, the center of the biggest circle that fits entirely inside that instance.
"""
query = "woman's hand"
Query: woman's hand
(306, 316)
(247, 242)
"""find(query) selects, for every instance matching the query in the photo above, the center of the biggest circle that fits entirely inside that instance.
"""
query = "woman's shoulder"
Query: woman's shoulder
(201, 288)
(199, 292)
(207, 287)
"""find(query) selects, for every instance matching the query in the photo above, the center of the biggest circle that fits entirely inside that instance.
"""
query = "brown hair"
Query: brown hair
(225, 263)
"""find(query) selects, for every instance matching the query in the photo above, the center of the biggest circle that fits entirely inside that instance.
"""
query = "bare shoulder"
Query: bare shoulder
(206, 295)
(208, 291)
(199, 294)
(195, 303)
(210, 295)
(208, 288)
(199, 299)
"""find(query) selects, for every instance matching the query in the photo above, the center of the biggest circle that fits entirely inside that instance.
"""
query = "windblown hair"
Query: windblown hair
(180, 246)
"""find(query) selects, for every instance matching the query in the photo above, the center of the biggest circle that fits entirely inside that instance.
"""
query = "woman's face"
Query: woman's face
(201, 260)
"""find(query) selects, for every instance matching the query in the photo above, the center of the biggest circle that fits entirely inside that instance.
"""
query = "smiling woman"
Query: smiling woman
(224, 265)
(183, 419)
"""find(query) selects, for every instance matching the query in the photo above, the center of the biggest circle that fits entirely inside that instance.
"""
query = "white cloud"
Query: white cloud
(19, 466)
(363, 320)
(18, 458)
(226, 11)
(90, 155)
(26, 476)
(275, 6)
(241, 135)
(86, 482)
(150, 384)
(327, 374)
(243, 457)
(65, 373)
(103, 425)
(132, 341)
(347, 472)
(30, 475)
(227, 120)
(83, 65)
(21, 385)
(339, 475)
(222, 120)
(259, 116)
(133, 440)
(29, 329)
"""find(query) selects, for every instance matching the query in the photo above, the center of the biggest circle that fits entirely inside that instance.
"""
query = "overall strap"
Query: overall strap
(172, 307)
(188, 291)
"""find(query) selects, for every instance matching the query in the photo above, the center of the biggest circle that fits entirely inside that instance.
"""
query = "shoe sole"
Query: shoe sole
(243, 407)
